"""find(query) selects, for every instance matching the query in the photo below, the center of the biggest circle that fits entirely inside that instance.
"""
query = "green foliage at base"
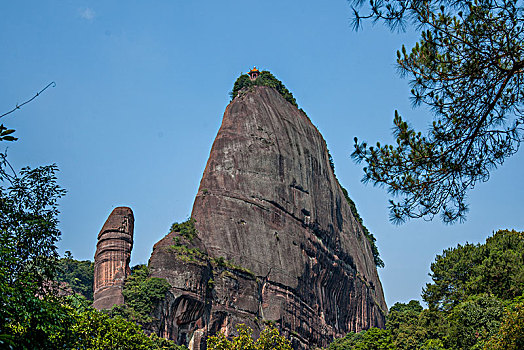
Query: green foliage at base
(373, 338)
(30, 311)
(141, 293)
(96, 330)
(510, 335)
(264, 79)
(79, 275)
(475, 302)
(269, 339)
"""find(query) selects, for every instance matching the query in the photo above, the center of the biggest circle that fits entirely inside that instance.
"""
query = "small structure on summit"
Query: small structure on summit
(113, 252)
(253, 73)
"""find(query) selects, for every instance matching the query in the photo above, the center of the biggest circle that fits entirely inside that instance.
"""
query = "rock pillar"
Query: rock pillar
(113, 252)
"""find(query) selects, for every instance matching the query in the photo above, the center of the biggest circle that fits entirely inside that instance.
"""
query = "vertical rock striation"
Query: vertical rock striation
(277, 241)
(113, 252)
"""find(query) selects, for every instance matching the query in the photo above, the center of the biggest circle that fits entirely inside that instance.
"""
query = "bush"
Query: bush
(264, 79)
(186, 229)
(473, 321)
(141, 293)
(372, 339)
(510, 335)
(269, 339)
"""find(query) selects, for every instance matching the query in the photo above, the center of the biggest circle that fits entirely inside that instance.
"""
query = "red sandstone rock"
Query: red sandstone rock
(269, 202)
(113, 252)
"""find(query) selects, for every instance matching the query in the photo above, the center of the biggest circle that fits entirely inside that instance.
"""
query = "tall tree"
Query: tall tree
(468, 68)
(270, 339)
(495, 267)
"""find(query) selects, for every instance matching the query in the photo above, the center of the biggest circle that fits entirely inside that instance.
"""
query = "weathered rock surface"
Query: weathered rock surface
(278, 238)
(113, 252)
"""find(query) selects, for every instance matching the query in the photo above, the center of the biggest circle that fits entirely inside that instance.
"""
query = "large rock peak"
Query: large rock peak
(113, 252)
(278, 240)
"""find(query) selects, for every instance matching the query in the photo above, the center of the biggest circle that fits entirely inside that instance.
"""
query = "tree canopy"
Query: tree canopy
(269, 339)
(475, 301)
(78, 275)
(468, 70)
(496, 267)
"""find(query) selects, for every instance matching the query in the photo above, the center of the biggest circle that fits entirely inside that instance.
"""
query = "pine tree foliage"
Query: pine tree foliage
(495, 267)
(468, 70)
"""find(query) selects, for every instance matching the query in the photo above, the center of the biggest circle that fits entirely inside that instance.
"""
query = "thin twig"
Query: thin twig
(53, 84)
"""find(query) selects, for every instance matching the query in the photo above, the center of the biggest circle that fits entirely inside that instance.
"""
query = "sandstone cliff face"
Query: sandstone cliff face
(113, 252)
(280, 243)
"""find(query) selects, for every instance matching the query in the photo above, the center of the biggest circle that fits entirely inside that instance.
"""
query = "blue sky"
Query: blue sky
(141, 88)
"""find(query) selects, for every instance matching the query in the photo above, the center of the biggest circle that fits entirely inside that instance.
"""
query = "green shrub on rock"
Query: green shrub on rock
(141, 293)
(264, 79)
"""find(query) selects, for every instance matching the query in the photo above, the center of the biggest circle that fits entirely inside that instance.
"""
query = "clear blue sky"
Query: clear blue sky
(141, 89)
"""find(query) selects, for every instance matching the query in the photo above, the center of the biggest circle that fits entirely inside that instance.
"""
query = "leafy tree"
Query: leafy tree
(473, 321)
(471, 286)
(269, 339)
(412, 306)
(402, 322)
(412, 327)
(97, 330)
(510, 335)
(435, 325)
(372, 339)
(79, 275)
(30, 311)
(495, 267)
(467, 69)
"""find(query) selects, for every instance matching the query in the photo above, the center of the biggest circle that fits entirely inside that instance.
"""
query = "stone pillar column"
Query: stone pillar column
(113, 252)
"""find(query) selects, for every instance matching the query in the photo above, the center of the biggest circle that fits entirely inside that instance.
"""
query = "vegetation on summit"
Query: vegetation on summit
(468, 70)
(264, 79)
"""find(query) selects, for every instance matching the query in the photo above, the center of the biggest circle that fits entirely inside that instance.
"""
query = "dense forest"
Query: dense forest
(475, 301)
